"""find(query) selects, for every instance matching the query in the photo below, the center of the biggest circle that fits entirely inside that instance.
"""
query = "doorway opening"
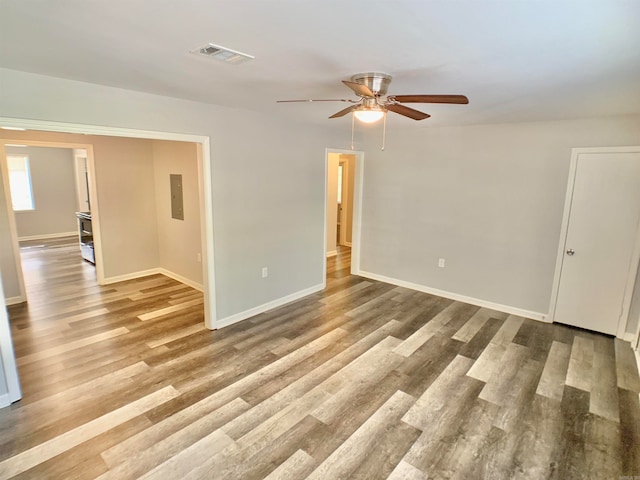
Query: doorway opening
(343, 190)
(203, 187)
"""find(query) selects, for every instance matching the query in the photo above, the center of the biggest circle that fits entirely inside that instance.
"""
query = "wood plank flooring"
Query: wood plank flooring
(363, 380)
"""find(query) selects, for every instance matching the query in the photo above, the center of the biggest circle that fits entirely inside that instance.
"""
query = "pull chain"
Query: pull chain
(353, 126)
(384, 130)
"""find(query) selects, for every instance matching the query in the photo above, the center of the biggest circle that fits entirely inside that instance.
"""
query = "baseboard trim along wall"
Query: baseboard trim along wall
(238, 317)
(49, 236)
(4, 400)
(130, 276)
(181, 279)
(14, 300)
(332, 253)
(455, 296)
(153, 271)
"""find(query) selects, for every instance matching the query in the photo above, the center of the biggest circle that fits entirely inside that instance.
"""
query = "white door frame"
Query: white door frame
(8, 357)
(346, 204)
(204, 167)
(93, 199)
(357, 209)
(4, 171)
(626, 303)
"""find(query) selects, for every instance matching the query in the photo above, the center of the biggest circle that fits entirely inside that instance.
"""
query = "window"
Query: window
(20, 182)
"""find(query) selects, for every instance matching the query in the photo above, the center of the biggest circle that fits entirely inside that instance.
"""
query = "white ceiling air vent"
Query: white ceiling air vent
(222, 53)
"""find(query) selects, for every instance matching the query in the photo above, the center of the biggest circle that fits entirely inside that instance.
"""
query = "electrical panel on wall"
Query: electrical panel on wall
(177, 210)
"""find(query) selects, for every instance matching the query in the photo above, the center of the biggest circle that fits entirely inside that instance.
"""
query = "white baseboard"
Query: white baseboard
(130, 276)
(181, 279)
(153, 271)
(238, 317)
(455, 296)
(5, 401)
(49, 236)
(332, 253)
(14, 300)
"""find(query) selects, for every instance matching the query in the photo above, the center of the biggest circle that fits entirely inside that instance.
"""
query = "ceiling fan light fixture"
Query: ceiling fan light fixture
(368, 114)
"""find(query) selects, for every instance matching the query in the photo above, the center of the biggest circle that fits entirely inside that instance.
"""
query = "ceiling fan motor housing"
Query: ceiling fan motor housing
(378, 83)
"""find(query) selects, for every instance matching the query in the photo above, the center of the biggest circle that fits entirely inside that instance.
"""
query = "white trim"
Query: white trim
(455, 296)
(332, 253)
(345, 205)
(206, 181)
(637, 352)
(4, 400)
(95, 215)
(623, 320)
(11, 217)
(154, 271)
(181, 279)
(130, 276)
(324, 224)
(238, 317)
(627, 337)
(14, 300)
(8, 354)
(356, 221)
(48, 236)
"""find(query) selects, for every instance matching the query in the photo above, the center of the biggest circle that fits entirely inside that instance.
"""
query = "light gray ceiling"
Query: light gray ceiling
(516, 60)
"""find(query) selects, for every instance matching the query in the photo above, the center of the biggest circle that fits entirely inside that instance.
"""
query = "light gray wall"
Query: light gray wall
(179, 241)
(127, 204)
(267, 175)
(489, 199)
(54, 192)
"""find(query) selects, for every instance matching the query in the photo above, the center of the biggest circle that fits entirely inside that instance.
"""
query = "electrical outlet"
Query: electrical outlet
(441, 262)
(265, 272)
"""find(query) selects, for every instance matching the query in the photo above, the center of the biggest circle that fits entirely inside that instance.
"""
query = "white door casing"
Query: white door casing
(356, 222)
(600, 244)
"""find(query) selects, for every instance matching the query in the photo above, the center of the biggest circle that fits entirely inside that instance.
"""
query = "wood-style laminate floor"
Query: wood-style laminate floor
(361, 381)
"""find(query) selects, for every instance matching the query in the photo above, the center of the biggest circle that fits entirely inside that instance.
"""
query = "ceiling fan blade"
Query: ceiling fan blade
(314, 100)
(407, 112)
(359, 88)
(459, 99)
(342, 113)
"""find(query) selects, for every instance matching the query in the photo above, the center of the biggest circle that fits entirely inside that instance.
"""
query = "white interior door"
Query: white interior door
(600, 248)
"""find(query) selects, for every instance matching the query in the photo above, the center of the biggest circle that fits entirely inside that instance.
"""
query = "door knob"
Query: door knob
(570, 252)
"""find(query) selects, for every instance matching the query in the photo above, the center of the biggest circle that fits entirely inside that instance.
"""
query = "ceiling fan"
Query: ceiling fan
(371, 106)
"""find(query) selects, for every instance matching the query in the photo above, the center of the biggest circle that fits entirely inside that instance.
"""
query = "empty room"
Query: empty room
(273, 239)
